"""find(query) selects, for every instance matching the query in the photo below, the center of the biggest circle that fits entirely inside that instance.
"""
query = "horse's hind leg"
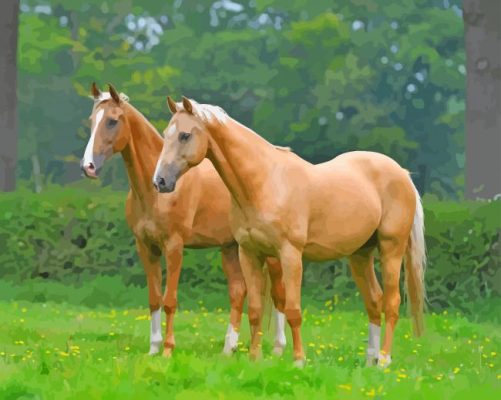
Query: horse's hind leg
(237, 292)
(278, 295)
(392, 250)
(362, 270)
(153, 270)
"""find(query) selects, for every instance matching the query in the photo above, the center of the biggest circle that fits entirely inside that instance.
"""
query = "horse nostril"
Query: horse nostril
(91, 166)
(161, 182)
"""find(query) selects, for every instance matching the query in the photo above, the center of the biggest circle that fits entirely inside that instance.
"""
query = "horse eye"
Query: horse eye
(111, 123)
(184, 136)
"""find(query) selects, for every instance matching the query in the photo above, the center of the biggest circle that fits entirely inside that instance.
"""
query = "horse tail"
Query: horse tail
(415, 265)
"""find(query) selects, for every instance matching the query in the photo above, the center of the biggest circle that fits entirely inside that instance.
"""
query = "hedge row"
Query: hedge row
(71, 235)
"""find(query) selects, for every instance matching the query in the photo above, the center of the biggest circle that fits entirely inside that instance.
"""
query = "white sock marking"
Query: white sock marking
(230, 340)
(374, 343)
(156, 331)
(280, 339)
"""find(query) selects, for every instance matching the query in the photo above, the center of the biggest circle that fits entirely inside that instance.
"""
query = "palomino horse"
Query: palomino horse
(285, 207)
(196, 216)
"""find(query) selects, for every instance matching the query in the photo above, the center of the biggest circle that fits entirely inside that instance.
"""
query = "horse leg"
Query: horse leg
(254, 280)
(392, 250)
(174, 257)
(153, 270)
(362, 270)
(278, 296)
(237, 292)
(292, 269)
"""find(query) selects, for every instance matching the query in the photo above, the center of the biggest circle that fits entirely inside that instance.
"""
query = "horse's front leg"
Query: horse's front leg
(174, 256)
(278, 295)
(292, 269)
(252, 268)
(153, 270)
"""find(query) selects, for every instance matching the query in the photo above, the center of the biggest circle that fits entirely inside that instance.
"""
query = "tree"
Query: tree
(9, 14)
(483, 92)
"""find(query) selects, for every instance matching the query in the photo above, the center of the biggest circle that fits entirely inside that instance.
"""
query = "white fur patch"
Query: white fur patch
(230, 340)
(156, 331)
(89, 150)
(171, 131)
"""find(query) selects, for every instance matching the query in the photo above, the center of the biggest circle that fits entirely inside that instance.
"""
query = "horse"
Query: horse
(286, 207)
(196, 216)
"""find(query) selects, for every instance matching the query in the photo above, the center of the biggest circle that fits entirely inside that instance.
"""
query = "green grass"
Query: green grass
(54, 351)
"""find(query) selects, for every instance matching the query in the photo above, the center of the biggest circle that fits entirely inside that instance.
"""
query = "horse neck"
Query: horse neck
(241, 157)
(141, 153)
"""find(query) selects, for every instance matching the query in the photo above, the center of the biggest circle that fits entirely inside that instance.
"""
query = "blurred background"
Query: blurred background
(321, 79)
(319, 76)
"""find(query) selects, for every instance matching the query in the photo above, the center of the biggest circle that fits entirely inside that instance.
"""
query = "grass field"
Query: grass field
(54, 351)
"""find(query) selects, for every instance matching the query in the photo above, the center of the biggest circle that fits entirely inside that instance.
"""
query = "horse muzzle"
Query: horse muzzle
(164, 186)
(89, 170)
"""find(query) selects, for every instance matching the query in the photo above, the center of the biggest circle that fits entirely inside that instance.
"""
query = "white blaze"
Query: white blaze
(89, 150)
(171, 131)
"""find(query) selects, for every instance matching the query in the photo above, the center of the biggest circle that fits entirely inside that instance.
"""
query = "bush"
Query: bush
(72, 235)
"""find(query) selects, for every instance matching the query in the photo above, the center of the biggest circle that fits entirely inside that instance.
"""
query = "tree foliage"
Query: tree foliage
(319, 77)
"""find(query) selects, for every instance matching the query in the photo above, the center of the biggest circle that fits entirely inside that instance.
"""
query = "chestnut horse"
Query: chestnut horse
(285, 207)
(196, 216)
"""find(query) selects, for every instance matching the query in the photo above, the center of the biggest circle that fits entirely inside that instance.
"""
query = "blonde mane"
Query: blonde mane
(206, 112)
(107, 96)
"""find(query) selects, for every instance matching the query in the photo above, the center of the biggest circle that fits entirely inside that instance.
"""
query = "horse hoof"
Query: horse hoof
(372, 357)
(254, 355)
(154, 348)
(167, 353)
(383, 361)
(278, 350)
(300, 363)
(228, 351)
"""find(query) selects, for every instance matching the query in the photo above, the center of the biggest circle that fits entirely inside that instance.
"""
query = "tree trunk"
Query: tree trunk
(483, 92)
(37, 176)
(9, 15)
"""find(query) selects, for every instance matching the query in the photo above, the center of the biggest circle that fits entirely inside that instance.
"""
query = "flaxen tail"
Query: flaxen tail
(415, 265)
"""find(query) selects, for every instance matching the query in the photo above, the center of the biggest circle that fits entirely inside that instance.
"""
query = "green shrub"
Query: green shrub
(72, 235)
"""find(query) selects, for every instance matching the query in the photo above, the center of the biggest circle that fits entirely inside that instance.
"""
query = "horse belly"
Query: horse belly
(319, 252)
(340, 232)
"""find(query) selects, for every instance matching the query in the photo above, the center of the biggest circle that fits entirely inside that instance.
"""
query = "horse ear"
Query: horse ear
(114, 94)
(172, 105)
(94, 91)
(187, 105)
